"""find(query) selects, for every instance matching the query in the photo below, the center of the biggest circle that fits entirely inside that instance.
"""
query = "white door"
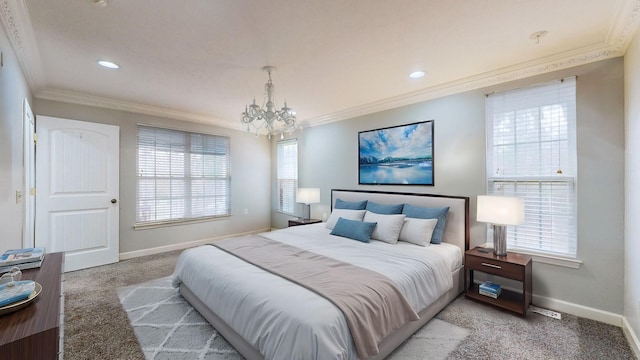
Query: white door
(77, 178)
(29, 164)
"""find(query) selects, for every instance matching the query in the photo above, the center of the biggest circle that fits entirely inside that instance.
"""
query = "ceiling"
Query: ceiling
(201, 60)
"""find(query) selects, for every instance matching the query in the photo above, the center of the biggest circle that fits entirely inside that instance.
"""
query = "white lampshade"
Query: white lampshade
(308, 195)
(500, 210)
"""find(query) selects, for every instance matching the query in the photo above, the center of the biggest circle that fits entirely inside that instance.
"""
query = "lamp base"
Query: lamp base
(308, 214)
(499, 240)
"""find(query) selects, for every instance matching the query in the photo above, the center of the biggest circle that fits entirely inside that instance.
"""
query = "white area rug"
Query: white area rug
(167, 327)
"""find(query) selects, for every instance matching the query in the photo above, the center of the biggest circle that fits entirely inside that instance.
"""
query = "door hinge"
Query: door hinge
(32, 191)
(35, 138)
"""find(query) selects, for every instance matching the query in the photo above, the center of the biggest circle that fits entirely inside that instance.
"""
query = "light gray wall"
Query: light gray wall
(328, 159)
(632, 187)
(250, 171)
(328, 155)
(13, 91)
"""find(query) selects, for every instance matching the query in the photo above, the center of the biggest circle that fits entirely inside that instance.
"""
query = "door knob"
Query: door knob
(113, 201)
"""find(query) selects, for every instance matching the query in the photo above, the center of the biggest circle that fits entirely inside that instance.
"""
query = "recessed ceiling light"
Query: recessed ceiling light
(108, 64)
(416, 74)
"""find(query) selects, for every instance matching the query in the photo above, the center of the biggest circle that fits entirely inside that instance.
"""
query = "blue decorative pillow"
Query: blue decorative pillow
(384, 209)
(429, 213)
(350, 205)
(352, 229)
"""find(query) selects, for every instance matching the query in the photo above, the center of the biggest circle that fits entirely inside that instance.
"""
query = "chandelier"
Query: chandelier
(268, 117)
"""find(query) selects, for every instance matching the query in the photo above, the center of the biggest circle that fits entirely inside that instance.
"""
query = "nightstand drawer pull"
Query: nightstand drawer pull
(491, 265)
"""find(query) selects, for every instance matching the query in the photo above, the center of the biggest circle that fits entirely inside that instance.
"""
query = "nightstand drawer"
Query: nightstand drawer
(495, 267)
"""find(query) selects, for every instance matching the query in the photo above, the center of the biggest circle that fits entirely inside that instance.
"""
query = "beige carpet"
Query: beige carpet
(96, 326)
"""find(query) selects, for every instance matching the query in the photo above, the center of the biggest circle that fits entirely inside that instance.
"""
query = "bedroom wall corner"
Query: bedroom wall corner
(250, 184)
(632, 195)
(13, 90)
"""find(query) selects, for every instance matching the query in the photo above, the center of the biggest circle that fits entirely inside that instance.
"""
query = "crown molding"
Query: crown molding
(114, 104)
(624, 25)
(520, 71)
(17, 24)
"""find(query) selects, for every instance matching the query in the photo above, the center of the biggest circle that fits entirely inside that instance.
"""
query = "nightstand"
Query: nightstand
(512, 266)
(298, 222)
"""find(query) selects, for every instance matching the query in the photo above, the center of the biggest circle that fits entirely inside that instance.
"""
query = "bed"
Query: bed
(267, 316)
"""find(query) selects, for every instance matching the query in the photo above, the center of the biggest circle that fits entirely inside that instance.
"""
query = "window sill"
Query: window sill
(546, 259)
(155, 225)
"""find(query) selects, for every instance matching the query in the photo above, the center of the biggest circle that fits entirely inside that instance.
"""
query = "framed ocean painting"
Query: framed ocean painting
(397, 155)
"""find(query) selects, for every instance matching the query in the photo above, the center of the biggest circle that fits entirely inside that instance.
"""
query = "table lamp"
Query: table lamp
(308, 196)
(500, 211)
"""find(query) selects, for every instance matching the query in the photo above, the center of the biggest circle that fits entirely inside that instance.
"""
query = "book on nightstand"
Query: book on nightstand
(489, 294)
(490, 289)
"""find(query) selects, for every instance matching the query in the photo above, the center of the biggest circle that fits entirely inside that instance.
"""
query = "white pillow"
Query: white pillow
(418, 231)
(388, 228)
(343, 213)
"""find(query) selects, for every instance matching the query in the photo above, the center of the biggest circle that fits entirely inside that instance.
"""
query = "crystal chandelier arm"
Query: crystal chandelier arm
(268, 116)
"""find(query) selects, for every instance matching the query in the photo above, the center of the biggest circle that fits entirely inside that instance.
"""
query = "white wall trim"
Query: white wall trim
(17, 23)
(182, 246)
(631, 336)
(578, 310)
(556, 62)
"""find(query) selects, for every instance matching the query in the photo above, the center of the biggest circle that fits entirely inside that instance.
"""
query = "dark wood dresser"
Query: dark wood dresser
(35, 332)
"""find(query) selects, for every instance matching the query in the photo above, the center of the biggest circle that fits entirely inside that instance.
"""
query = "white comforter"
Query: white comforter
(285, 321)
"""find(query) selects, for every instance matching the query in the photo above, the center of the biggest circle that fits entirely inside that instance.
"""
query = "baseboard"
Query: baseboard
(182, 246)
(578, 310)
(632, 338)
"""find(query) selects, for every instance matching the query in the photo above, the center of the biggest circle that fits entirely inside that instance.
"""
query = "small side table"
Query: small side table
(512, 266)
(298, 222)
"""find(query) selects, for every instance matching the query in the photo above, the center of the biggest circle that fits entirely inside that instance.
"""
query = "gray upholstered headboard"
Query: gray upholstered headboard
(456, 230)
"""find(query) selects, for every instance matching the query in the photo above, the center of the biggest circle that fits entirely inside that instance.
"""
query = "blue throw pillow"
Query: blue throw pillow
(350, 205)
(353, 229)
(429, 213)
(384, 209)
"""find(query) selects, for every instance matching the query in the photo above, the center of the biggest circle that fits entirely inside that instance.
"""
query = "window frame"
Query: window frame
(283, 200)
(522, 184)
(220, 173)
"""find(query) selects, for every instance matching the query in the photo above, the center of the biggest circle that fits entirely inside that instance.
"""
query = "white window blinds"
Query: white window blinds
(287, 175)
(181, 175)
(531, 153)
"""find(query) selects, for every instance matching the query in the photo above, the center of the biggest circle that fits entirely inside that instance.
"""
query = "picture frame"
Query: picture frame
(397, 155)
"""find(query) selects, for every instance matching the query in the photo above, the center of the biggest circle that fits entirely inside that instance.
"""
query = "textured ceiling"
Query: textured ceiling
(201, 60)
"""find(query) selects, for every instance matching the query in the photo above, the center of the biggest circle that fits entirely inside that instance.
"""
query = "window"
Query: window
(531, 153)
(287, 175)
(181, 176)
